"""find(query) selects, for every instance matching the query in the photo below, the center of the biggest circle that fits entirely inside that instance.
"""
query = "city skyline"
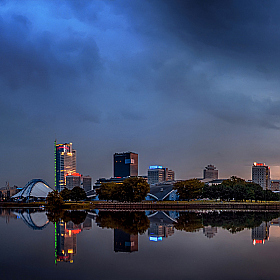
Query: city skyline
(182, 83)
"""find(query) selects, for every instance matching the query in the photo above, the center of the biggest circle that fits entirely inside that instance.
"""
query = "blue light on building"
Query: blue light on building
(155, 167)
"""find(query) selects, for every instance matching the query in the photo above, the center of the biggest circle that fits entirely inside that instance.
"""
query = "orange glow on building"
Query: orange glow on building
(259, 164)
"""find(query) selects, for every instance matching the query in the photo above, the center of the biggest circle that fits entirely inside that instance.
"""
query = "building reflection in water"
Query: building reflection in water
(66, 239)
(210, 231)
(161, 225)
(124, 242)
(261, 233)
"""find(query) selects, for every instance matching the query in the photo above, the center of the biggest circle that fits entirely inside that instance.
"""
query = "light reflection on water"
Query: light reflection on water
(137, 245)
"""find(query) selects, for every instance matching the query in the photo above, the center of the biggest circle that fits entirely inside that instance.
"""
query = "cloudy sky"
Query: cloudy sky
(183, 83)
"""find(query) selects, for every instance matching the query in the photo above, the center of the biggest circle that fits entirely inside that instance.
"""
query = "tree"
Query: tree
(108, 191)
(129, 222)
(66, 194)
(78, 193)
(189, 189)
(54, 199)
(134, 189)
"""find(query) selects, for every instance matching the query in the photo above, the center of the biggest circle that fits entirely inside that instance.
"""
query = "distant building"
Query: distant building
(125, 242)
(64, 163)
(125, 164)
(8, 191)
(261, 175)
(87, 185)
(159, 174)
(275, 185)
(210, 172)
(73, 180)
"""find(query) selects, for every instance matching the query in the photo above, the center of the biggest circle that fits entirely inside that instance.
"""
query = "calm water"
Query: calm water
(143, 245)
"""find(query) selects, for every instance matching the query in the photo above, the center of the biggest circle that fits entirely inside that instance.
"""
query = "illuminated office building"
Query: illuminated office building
(261, 175)
(64, 163)
(125, 164)
(158, 174)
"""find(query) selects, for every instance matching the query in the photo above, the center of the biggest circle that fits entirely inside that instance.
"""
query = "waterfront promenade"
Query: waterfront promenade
(138, 206)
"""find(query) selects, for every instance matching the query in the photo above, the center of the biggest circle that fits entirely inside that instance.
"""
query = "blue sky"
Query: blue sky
(183, 83)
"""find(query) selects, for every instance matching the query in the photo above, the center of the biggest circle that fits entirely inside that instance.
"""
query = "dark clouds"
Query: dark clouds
(183, 83)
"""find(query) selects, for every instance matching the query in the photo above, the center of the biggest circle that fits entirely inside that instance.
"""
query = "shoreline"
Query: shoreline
(141, 206)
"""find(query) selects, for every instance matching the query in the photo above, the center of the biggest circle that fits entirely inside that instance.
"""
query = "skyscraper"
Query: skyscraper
(261, 175)
(125, 164)
(210, 172)
(64, 163)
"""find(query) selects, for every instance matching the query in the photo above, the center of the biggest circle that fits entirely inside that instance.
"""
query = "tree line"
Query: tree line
(133, 189)
(232, 221)
(56, 199)
(231, 189)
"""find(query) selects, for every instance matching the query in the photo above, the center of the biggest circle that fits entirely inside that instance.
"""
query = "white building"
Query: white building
(261, 175)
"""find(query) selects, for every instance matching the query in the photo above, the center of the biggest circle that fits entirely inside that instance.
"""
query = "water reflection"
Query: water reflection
(161, 225)
(127, 226)
(66, 239)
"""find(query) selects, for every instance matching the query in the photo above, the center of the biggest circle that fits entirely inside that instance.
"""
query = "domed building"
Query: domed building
(36, 189)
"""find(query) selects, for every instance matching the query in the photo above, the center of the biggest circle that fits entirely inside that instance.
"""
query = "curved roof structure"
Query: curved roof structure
(35, 188)
(160, 192)
(36, 220)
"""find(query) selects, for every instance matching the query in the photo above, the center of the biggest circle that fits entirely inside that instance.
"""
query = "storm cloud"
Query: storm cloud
(183, 83)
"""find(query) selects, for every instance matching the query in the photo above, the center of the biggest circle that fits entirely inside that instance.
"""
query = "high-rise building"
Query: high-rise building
(210, 172)
(261, 175)
(158, 174)
(73, 180)
(64, 163)
(125, 164)
(87, 183)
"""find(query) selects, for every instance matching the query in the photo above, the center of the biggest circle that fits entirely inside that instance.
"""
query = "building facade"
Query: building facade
(125, 164)
(210, 172)
(261, 175)
(64, 163)
(87, 183)
(158, 174)
(73, 180)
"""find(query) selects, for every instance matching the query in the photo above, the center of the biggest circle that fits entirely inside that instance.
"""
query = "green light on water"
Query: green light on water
(55, 244)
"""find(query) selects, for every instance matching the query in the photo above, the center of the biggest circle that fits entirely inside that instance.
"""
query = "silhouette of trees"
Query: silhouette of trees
(54, 200)
(129, 222)
(239, 190)
(77, 217)
(189, 189)
(75, 194)
(78, 193)
(133, 189)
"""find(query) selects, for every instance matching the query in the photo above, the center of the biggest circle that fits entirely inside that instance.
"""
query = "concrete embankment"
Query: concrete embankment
(189, 206)
(141, 206)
